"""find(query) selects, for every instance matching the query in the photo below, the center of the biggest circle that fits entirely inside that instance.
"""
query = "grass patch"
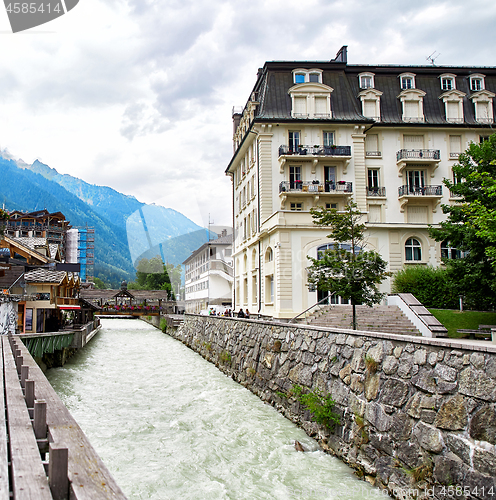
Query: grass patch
(466, 320)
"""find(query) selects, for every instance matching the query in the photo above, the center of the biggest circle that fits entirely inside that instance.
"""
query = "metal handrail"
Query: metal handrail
(418, 154)
(292, 320)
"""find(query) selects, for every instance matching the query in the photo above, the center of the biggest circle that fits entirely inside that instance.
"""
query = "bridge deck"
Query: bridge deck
(89, 479)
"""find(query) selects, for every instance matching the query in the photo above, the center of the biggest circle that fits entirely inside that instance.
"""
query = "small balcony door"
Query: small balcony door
(295, 177)
(294, 141)
(415, 180)
(329, 178)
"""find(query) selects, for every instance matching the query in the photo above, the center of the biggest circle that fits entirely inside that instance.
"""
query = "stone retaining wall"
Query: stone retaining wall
(418, 416)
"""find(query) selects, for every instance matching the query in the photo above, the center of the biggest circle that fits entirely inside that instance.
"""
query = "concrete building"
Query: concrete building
(81, 250)
(209, 275)
(318, 134)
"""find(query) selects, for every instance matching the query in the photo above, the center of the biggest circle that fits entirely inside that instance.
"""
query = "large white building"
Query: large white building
(317, 134)
(209, 275)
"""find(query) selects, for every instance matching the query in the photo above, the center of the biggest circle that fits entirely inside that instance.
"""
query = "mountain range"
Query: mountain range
(126, 229)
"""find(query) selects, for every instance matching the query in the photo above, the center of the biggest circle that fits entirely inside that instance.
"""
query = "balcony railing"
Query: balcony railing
(420, 191)
(455, 195)
(315, 187)
(373, 153)
(418, 154)
(67, 301)
(454, 155)
(219, 265)
(376, 191)
(315, 150)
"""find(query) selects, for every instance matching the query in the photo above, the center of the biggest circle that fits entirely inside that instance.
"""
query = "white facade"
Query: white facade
(209, 275)
(387, 148)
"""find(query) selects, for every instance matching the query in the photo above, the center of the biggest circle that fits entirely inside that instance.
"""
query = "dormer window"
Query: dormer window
(407, 81)
(307, 75)
(366, 80)
(476, 82)
(299, 78)
(371, 103)
(447, 82)
(310, 99)
(453, 105)
(412, 105)
(483, 102)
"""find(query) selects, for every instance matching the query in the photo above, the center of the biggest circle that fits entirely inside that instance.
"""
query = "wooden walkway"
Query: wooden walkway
(35, 422)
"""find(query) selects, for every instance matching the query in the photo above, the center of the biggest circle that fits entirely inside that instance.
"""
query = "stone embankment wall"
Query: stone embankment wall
(418, 416)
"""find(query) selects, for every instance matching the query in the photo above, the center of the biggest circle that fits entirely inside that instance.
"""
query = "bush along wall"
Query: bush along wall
(411, 415)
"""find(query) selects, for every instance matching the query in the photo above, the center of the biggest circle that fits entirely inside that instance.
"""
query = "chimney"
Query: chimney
(342, 55)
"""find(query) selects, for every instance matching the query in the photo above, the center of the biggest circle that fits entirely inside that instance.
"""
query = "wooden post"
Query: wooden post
(17, 353)
(57, 471)
(40, 425)
(29, 393)
(19, 361)
(24, 375)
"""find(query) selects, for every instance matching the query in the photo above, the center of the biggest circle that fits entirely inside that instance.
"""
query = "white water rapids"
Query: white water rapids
(169, 425)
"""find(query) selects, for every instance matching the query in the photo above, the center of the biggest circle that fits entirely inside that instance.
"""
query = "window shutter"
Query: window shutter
(411, 109)
(482, 110)
(455, 144)
(300, 104)
(417, 214)
(413, 142)
(321, 105)
(371, 142)
(452, 110)
(369, 108)
(374, 213)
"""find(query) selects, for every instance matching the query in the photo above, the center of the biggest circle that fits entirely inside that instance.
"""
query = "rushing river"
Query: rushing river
(169, 425)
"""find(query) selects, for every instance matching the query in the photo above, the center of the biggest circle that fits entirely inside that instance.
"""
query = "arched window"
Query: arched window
(269, 256)
(413, 250)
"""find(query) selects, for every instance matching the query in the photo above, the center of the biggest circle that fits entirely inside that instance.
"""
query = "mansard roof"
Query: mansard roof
(276, 78)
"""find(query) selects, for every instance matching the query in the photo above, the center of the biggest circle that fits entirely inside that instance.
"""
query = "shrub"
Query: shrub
(370, 364)
(163, 324)
(320, 406)
(432, 286)
(225, 357)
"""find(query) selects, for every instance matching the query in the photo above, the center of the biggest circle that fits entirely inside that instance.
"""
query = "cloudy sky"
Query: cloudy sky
(138, 94)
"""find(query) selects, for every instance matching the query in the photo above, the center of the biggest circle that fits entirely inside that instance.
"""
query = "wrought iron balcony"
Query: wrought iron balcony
(376, 191)
(420, 191)
(315, 187)
(418, 154)
(315, 150)
(373, 153)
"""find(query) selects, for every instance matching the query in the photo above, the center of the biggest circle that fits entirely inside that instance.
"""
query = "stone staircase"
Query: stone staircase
(385, 319)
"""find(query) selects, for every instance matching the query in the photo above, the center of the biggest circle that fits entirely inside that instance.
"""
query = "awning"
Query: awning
(69, 307)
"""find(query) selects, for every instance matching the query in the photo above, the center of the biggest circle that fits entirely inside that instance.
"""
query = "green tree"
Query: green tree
(4, 216)
(152, 274)
(471, 224)
(100, 284)
(347, 269)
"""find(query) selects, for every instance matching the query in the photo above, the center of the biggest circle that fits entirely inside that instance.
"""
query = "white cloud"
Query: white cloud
(137, 94)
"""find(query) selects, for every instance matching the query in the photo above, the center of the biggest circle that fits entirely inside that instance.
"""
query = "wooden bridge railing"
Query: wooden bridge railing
(37, 421)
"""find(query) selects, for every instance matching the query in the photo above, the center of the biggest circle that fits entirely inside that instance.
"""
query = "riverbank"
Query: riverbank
(416, 414)
(169, 425)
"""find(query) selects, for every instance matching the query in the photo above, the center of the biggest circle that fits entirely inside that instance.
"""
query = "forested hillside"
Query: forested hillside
(120, 221)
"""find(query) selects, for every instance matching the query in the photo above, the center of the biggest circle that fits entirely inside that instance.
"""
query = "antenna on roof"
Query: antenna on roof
(209, 224)
(432, 58)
